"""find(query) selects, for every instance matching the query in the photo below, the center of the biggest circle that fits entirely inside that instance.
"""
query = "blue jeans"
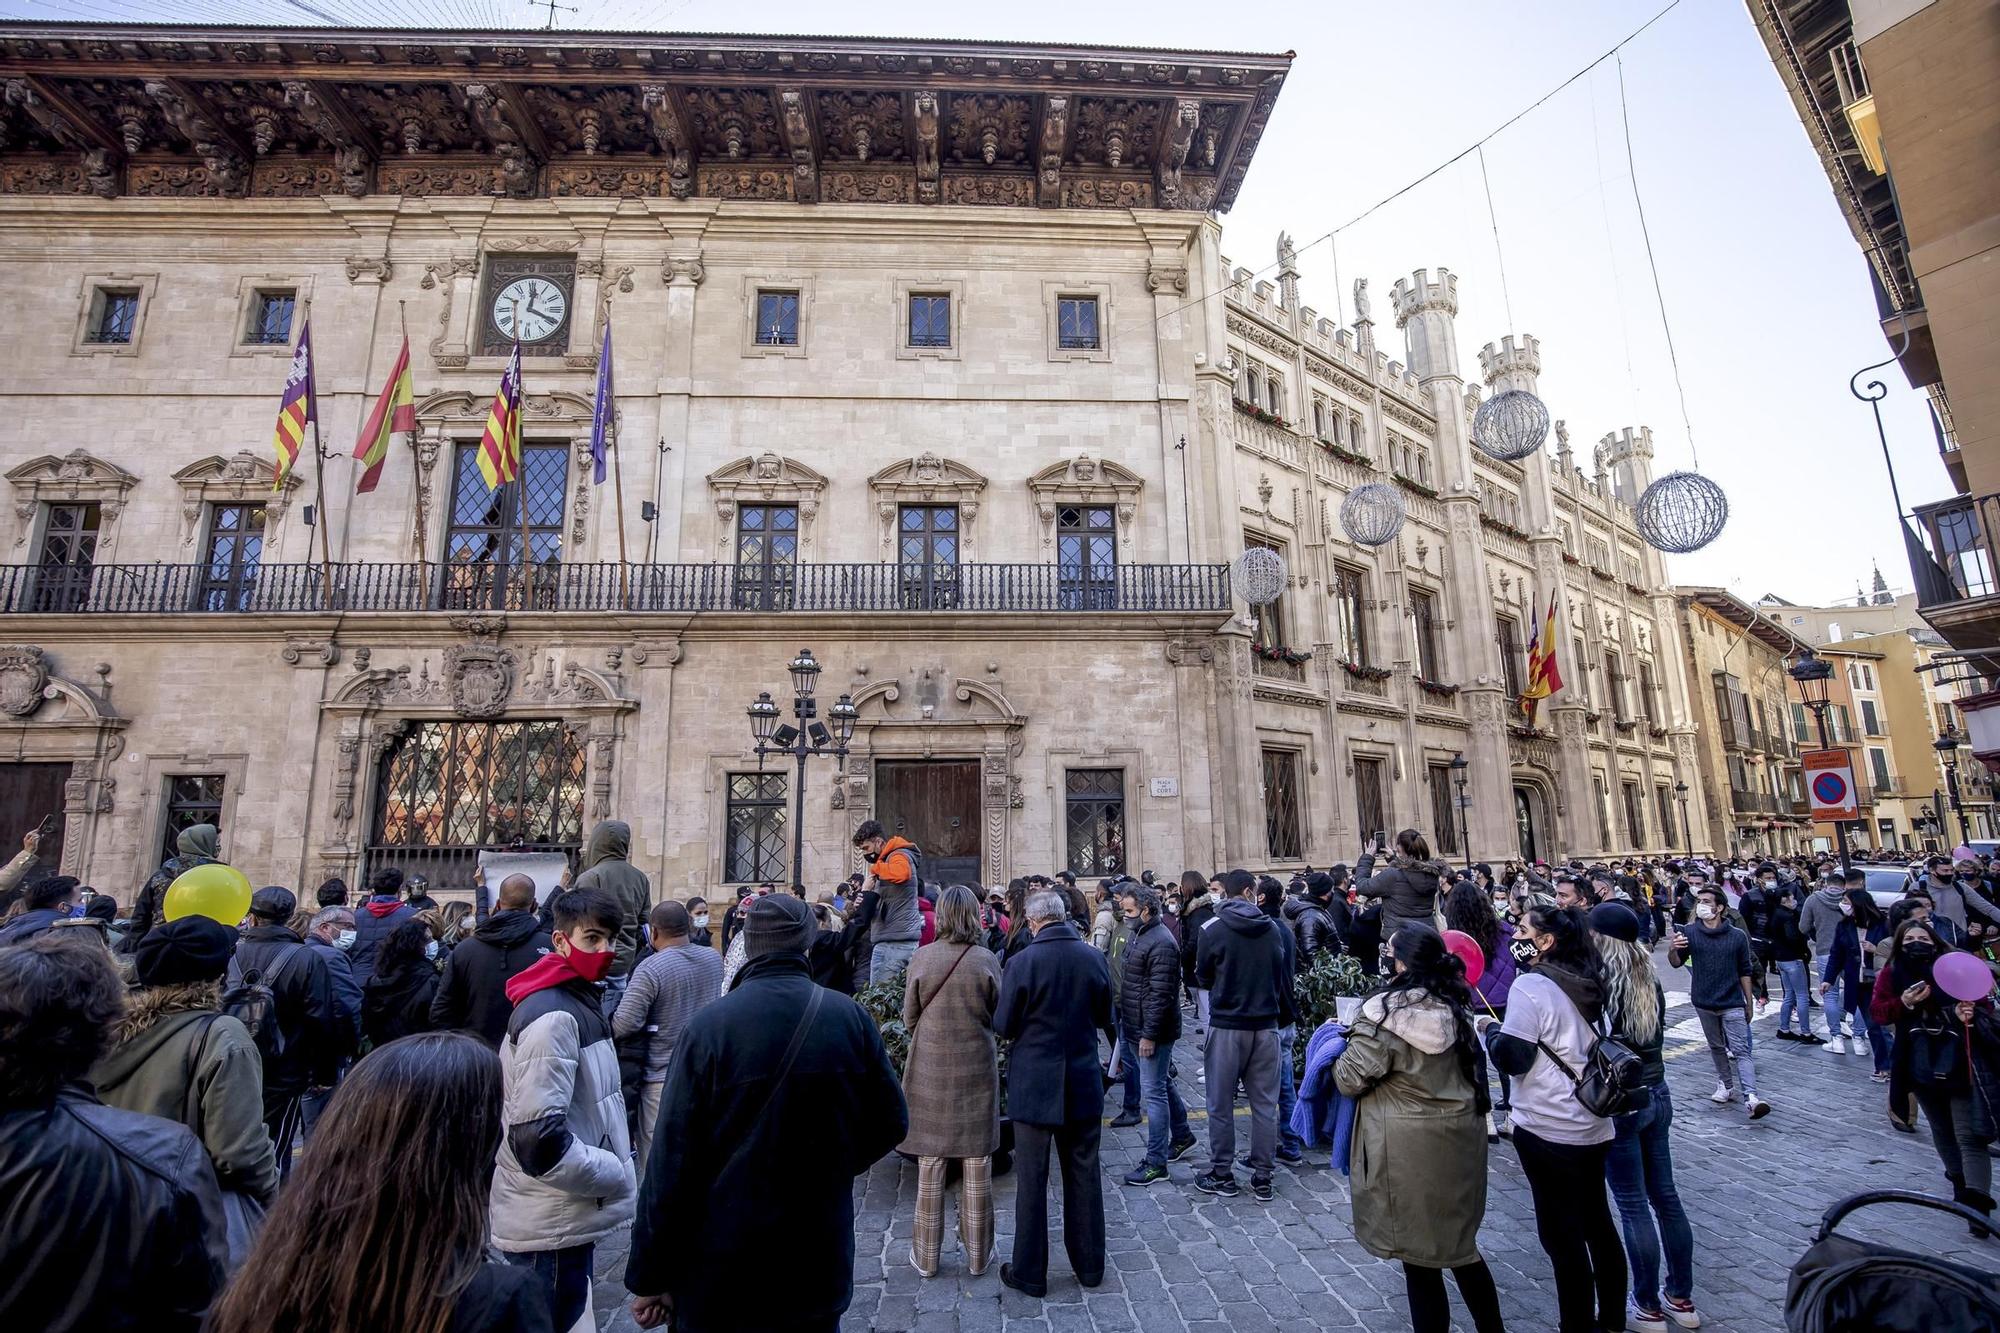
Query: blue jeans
(1128, 1071)
(1856, 1003)
(890, 960)
(1793, 975)
(1831, 1002)
(1166, 1113)
(564, 1276)
(1288, 1094)
(1640, 1171)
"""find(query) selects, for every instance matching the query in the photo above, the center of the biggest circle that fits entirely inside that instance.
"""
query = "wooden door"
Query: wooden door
(28, 794)
(935, 804)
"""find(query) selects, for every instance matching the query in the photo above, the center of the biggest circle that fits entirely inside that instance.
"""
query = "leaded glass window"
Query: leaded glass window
(1424, 622)
(930, 320)
(927, 550)
(1076, 323)
(483, 784)
(754, 850)
(235, 548)
(69, 554)
(1510, 654)
(767, 551)
(483, 544)
(112, 320)
(192, 798)
(777, 319)
(1368, 805)
(1087, 557)
(271, 318)
(1094, 813)
(1281, 806)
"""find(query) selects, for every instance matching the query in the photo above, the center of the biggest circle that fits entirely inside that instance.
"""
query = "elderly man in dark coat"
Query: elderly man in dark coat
(1055, 1091)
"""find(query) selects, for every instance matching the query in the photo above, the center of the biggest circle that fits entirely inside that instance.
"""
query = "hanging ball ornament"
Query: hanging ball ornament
(1682, 512)
(1510, 425)
(1260, 575)
(1372, 513)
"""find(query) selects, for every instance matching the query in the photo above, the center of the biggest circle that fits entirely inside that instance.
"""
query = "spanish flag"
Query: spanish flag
(1544, 676)
(395, 415)
(298, 408)
(500, 446)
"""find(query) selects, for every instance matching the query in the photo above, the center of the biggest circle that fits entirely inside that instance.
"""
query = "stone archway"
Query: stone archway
(46, 718)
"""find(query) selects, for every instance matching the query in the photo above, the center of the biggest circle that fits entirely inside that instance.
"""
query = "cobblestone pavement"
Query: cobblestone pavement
(1181, 1260)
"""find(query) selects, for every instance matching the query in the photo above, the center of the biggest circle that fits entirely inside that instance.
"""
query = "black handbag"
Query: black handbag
(1613, 1078)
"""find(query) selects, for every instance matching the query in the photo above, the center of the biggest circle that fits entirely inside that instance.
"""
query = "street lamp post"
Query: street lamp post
(1458, 768)
(808, 738)
(1687, 829)
(1812, 674)
(1947, 746)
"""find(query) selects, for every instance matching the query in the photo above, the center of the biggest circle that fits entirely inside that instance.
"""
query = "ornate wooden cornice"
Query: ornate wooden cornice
(284, 112)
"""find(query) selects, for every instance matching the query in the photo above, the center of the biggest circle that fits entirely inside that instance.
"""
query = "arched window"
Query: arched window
(1319, 418)
(1277, 403)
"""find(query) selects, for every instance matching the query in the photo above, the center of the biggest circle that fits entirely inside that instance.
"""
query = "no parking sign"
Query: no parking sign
(1830, 783)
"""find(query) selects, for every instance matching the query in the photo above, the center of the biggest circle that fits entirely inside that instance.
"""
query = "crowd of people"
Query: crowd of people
(470, 1097)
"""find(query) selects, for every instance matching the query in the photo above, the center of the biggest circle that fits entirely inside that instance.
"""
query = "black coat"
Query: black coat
(502, 1298)
(1312, 929)
(1191, 923)
(395, 1004)
(1408, 889)
(109, 1220)
(1149, 1001)
(472, 993)
(753, 1158)
(308, 1014)
(1046, 995)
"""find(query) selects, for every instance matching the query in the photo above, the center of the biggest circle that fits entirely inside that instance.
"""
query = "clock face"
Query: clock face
(538, 302)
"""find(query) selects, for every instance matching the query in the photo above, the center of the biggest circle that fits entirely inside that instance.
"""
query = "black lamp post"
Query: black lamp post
(1946, 746)
(809, 737)
(1813, 673)
(1687, 829)
(1458, 767)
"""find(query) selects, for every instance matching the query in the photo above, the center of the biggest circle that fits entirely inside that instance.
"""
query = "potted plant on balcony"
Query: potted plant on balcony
(1345, 454)
(1256, 413)
(1360, 671)
(1437, 689)
(1279, 653)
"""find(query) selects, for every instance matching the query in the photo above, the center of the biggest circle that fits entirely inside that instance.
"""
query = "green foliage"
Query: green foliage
(883, 1001)
(1329, 977)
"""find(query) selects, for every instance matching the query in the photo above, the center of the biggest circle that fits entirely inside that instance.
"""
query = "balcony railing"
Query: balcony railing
(302, 588)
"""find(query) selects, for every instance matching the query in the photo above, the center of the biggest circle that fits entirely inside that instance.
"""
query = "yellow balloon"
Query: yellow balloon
(215, 890)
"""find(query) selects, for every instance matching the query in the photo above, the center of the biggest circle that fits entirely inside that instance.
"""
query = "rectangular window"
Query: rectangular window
(1087, 558)
(1843, 730)
(1444, 810)
(1423, 617)
(1635, 816)
(235, 549)
(1603, 813)
(755, 819)
(1270, 617)
(69, 554)
(271, 318)
(1368, 807)
(114, 312)
(1282, 841)
(1663, 801)
(1878, 768)
(1800, 727)
(1600, 556)
(1510, 655)
(1870, 723)
(1350, 614)
(1076, 323)
(767, 549)
(927, 551)
(1094, 815)
(462, 785)
(930, 320)
(482, 548)
(192, 798)
(777, 319)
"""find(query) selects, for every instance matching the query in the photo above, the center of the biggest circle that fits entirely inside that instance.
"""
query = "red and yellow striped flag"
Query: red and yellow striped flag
(500, 446)
(395, 415)
(298, 408)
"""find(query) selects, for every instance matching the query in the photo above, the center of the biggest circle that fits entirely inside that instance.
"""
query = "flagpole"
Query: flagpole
(416, 466)
(521, 457)
(618, 495)
(325, 515)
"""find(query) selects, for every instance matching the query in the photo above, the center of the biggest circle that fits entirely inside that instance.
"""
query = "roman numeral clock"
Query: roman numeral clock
(531, 297)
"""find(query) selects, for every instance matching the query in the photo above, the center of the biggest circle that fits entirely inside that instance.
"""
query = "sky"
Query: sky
(1765, 291)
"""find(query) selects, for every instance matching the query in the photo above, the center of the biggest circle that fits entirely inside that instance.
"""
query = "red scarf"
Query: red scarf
(551, 969)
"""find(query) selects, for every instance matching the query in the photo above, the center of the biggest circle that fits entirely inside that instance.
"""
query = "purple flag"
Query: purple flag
(600, 416)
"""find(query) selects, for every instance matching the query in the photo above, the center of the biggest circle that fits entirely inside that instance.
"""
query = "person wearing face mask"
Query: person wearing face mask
(698, 923)
(1850, 966)
(1719, 957)
(1938, 1041)
(472, 992)
(564, 1178)
(1952, 888)
(1819, 913)
(330, 935)
(1466, 910)
(1787, 947)
(396, 999)
(313, 1038)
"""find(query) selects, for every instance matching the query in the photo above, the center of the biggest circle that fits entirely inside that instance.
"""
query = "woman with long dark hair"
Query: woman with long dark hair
(1418, 1159)
(399, 1173)
(1640, 1167)
(1469, 908)
(1850, 965)
(1553, 1016)
(396, 1001)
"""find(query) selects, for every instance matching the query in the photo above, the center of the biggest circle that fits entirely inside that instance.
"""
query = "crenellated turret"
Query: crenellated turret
(1427, 311)
(1627, 456)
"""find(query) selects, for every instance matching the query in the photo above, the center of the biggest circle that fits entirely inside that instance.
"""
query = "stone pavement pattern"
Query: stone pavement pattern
(1180, 1260)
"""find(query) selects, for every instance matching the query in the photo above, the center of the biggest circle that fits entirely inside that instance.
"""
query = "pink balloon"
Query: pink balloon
(1469, 953)
(1962, 976)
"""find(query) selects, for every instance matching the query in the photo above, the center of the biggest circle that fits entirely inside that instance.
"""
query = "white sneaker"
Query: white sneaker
(1722, 1095)
(1683, 1314)
(1757, 1107)
(1638, 1321)
(1836, 1047)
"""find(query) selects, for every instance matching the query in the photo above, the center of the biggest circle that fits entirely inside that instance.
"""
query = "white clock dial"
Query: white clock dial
(538, 304)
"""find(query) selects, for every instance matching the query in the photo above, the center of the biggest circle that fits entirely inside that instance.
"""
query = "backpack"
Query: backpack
(1612, 1082)
(252, 1001)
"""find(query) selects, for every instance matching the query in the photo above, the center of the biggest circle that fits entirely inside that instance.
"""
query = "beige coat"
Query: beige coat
(1419, 1150)
(952, 1080)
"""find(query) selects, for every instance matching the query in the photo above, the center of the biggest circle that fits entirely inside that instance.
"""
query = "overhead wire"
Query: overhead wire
(1499, 255)
(1659, 295)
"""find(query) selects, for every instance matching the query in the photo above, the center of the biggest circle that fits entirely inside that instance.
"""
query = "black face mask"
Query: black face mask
(1919, 953)
(1524, 951)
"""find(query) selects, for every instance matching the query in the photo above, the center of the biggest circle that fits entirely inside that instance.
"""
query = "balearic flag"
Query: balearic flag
(1544, 676)
(298, 408)
(500, 446)
(395, 416)
(600, 416)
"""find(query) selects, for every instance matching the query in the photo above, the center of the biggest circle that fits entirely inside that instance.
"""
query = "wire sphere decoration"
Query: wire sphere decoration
(1260, 575)
(1373, 513)
(1510, 425)
(1682, 512)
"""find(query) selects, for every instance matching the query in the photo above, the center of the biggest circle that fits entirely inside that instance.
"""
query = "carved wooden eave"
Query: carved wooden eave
(170, 110)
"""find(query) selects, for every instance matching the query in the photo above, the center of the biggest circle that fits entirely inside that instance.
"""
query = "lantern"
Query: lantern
(1260, 575)
(1682, 512)
(1372, 513)
(1510, 425)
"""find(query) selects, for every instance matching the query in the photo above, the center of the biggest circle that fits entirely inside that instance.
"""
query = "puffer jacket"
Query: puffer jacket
(564, 1174)
(1408, 890)
(1312, 929)
(197, 845)
(110, 1221)
(1149, 999)
(376, 920)
(898, 871)
(177, 1057)
(606, 867)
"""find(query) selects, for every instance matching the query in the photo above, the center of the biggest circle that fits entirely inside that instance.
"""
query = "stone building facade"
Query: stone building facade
(925, 358)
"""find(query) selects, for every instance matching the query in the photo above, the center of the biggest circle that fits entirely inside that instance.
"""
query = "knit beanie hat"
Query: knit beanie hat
(193, 948)
(1615, 921)
(777, 923)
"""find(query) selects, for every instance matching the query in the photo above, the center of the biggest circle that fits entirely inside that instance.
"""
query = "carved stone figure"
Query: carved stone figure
(1361, 315)
(24, 673)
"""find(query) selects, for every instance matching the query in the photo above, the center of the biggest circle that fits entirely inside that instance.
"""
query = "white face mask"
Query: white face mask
(431, 949)
(1847, 909)
(1499, 904)
(1173, 909)
(1706, 911)
(701, 919)
(345, 939)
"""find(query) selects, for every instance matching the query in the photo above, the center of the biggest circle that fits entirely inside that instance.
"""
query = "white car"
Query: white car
(1888, 884)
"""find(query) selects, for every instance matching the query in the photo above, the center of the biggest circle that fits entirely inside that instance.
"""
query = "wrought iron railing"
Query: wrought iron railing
(299, 588)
